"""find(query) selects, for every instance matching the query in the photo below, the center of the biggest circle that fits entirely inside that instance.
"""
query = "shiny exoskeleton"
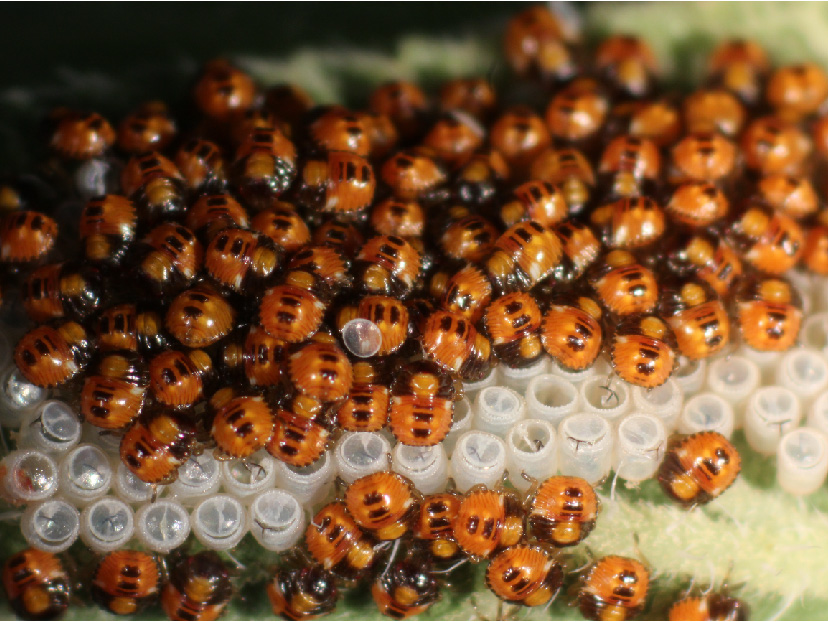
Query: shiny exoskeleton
(49, 356)
(422, 404)
(198, 590)
(113, 395)
(408, 588)
(36, 584)
(384, 504)
(126, 582)
(525, 574)
(613, 588)
(562, 510)
(154, 448)
(698, 468)
(302, 593)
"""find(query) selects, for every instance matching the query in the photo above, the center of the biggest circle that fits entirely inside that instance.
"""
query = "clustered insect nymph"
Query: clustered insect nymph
(582, 214)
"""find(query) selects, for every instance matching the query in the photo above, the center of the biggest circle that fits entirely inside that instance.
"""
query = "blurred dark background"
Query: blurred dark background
(69, 53)
(104, 36)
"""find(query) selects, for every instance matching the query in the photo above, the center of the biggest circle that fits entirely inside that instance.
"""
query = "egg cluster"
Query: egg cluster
(231, 312)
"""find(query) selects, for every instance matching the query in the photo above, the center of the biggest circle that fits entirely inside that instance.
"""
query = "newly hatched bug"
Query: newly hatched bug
(298, 439)
(341, 183)
(467, 292)
(262, 356)
(148, 127)
(321, 370)
(525, 254)
(36, 584)
(623, 284)
(264, 167)
(629, 166)
(61, 290)
(237, 259)
(520, 136)
(155, 447)
(571, 170)
(412, 174)
(391, 317)
(223, 90)
(455, 136)
(698, 468)
(338, 129)
(290, 314)
(697, 316)
(170, 258)
(387, 265)
(468, 238)
(336, 542)
(796, 91)
(199, 317)
(713, 606)
(629, 64)
(536, 43)
(712, 260)
(406, 589)
(794, 196)
(302, 593)
(126, 582)
(613, 588)
(815, 252)
(561, 510)
(474, 96)
(80, 135)
(404, 103)
(367, 405)
(242, 426)
(454, 343)
(513, 324)
(320, 269)
(767, 239)
(703, 156)
(480, 180)
(108, 226)
(713, 110)
(155, 185)
(198, 590)
(396, 217)
(213, 212)
(177, 379)
(488, 520)
(572, 330)
(125, 327)
(49, 356)
(202, 165)
(345, 237)
(580, 250)
(768, 311)
(26, 237)
(771, 145)
(576, 113)
(525, 574)
(643, 350)
(630, 222)
(435, 525)
(282, 224)
(384, 504)
(113, 395)
(739, 66)
(697, 204)
(422, 404)
(535, 200)
(658, 120)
